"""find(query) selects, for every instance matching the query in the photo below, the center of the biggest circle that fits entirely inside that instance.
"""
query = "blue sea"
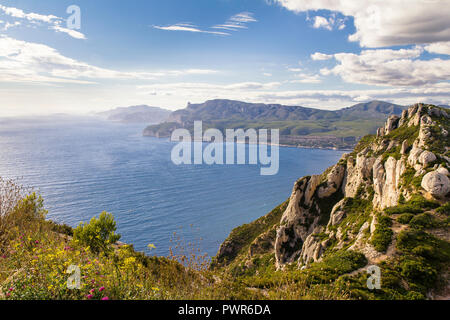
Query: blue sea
(83, 166)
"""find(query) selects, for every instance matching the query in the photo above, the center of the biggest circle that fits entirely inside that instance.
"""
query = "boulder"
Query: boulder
(437, 184)
(426, 158)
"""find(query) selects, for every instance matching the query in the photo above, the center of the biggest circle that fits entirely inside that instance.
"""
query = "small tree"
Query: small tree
(99, 233)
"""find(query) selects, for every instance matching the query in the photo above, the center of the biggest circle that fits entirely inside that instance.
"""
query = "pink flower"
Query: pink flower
(11, 289)
(92, 290)
(105, 298)
(101, 289)
(89, 296)
(37, 242)
(8, 294)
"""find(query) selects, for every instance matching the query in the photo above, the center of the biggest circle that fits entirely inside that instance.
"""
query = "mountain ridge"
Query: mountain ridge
(299, 126)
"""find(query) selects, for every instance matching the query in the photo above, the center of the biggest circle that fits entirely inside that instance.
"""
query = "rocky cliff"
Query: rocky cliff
(392, 186)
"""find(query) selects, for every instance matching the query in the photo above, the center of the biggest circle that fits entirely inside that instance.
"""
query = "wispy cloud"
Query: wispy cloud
(53, 22)
(235, 23)
(189, 28)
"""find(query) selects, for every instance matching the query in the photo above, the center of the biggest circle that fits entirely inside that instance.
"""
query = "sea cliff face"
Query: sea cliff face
(359, 204)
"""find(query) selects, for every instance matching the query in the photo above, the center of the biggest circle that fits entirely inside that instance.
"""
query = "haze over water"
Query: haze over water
(84, 166)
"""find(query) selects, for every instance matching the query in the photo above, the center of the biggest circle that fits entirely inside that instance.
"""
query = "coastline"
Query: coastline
(279, 145)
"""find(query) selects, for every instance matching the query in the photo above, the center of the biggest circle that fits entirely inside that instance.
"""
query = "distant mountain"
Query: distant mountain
(242, 111)
(370, 110)
(137, 114)
(299, 126)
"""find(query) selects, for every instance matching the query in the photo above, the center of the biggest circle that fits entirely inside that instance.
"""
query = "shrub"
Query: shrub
(445, 209)
(418, 242)
(99, 233)
(336, 264)
(424, 220)
(382, 235)
(405, 218)
(418, 271)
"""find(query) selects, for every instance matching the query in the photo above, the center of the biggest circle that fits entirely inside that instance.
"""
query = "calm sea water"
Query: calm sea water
(83, 167)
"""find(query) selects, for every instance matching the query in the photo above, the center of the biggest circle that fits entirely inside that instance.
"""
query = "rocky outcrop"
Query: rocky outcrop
(386, 179)
(391, 124)
(375, 173)
(358, 171)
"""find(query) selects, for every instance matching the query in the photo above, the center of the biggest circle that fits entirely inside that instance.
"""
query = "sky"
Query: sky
(325, 54)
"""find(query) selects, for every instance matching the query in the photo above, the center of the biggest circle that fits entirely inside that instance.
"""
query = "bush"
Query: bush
(405, 218)
(424, 220)
(99, 233)
(334, 265)
(445, 209)
(382, 235)
(418, 271)
(418, 242)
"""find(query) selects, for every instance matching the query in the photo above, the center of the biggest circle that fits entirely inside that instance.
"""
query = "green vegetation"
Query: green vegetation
(423, 258)
(405, 218)
(298, 126)
(409, 179)
(335, 265)
(382, 236)
(417, 204)
(404, 133)
(424, 220)
(445, 209)
(98, 234)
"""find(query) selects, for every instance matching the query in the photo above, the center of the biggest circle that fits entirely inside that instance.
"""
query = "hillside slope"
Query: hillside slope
(384, 204)
(299, 126)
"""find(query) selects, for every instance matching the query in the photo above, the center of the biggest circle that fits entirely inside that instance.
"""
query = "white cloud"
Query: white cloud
(235, 23)
(321, 56)
(321, 22)
(26, 62)
(382, 23)
(54, 22)
(439, 48)
(189, 28)
(238, 21)
(11, 25)
(73, 33)
(386, 67)
(18, 13)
